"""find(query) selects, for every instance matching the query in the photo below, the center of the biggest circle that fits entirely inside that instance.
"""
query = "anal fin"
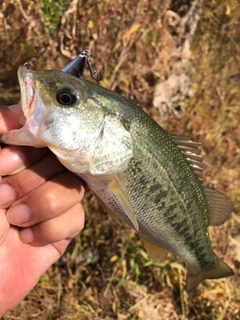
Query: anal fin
(155, 252)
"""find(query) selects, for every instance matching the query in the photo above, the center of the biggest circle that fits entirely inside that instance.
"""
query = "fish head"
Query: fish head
(54, 110)
(65, 114)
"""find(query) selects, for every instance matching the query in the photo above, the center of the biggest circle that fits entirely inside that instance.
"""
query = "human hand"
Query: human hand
(40, 213)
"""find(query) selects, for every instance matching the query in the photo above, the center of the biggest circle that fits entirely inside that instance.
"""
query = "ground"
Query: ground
(105, 273)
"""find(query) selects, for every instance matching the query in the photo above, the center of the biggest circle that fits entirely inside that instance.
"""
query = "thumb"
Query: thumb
(21, 267)
(10, 117)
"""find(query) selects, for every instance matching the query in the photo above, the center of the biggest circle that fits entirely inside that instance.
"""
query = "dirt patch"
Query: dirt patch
(105, 273)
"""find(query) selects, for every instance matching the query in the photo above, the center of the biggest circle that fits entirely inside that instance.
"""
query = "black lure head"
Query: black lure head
(76, 66)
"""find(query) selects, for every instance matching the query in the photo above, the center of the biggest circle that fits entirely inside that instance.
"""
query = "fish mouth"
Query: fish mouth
(27, 88)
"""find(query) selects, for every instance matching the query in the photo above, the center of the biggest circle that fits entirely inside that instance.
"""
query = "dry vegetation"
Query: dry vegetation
(105, 273)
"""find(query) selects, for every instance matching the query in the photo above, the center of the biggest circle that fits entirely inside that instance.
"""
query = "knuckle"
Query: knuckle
(23, 184)
(65, 226)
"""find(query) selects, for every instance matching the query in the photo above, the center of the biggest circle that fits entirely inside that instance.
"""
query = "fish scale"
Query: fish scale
(170, 214)
(141, 174)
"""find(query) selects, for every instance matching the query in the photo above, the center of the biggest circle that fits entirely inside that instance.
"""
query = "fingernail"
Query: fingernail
(7, 195)
(18, 215)
(26, 235)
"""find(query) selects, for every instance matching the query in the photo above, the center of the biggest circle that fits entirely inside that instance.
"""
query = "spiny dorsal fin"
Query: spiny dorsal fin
(220, 205)
(192, 151)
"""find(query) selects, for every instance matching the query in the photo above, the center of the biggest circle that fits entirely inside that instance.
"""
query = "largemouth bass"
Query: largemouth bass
(142, 175)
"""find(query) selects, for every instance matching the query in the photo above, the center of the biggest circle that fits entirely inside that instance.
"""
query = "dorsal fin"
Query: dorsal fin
(192, 151)
(220, 205)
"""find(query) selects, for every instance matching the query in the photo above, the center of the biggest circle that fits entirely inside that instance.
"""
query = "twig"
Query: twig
(26, 17)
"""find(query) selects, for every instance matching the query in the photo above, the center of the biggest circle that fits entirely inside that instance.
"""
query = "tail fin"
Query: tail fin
(219, 270)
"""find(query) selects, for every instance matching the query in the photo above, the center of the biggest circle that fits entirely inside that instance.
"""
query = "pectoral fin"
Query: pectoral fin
(122, 198)
(155, 252)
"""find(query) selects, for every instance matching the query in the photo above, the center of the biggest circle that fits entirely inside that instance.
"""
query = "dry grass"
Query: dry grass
(106, 274)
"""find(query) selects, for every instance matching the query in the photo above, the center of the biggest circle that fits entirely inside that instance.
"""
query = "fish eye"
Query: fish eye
(66, 96)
